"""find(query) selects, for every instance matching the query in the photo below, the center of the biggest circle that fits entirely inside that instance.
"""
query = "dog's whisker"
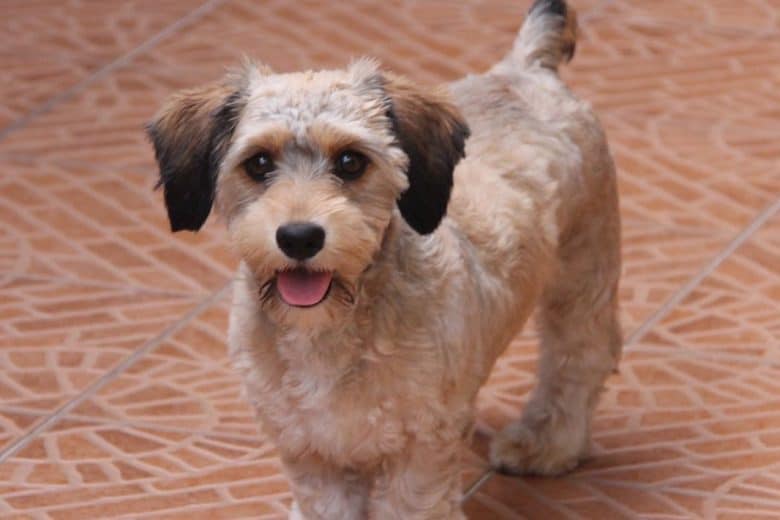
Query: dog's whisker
(266, 291)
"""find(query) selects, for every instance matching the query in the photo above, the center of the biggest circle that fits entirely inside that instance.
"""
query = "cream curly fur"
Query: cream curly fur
(370, 394)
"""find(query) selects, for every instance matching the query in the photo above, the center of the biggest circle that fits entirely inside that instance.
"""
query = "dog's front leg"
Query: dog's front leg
(422, 482)
(324, 492)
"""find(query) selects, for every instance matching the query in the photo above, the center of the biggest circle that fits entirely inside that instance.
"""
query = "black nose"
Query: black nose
(300, 240)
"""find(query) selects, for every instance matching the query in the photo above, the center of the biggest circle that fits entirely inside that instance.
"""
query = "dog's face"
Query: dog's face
(308, 170)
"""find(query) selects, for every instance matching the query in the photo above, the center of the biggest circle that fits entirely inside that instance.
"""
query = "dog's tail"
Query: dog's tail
(548, 36)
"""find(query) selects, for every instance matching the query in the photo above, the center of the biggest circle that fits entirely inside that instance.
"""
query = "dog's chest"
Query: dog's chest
(350, 415)
(339, 426)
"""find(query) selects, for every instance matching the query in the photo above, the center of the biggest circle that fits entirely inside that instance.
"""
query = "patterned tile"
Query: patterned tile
(658, 259)
(58, 337)
(88, 271)
(89, 469)
(50, 45)
(677, 436)
(84, 469)
(690, 122)
(100, 225)
(735, 310)
(409, 37)
(186, 382)
(625, 65)
(754, 16)
(14, 424)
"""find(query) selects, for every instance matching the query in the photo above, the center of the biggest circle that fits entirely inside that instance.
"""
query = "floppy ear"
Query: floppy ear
(191, 134)
(432, 133)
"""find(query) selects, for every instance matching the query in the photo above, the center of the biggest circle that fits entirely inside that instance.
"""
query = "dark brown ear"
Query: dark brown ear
(432, 133)
(191, 134)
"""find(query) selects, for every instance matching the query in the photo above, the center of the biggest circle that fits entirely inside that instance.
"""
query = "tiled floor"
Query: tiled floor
(116, 397)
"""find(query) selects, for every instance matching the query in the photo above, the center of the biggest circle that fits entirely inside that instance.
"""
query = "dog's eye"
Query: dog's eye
(350, 165)
(259, 165)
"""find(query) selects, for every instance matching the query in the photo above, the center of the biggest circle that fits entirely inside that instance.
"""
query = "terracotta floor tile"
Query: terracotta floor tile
(696, 418)
(735, 309)
(679, 170)
(14, 424)
(186, 382)
(49, 45)
(58, 337)
(751, 16)
(690, 114)
(86, 468)
(108, 116)
(106, 469)
(676, 434)
(88, 271)
(83, 469)
(658, 259)
(627, 64)
(100, 225)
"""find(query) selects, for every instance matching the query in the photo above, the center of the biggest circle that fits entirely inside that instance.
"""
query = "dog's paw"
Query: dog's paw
(521, 449)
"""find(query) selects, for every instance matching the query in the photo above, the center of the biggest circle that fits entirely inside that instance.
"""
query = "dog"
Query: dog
(393, 240)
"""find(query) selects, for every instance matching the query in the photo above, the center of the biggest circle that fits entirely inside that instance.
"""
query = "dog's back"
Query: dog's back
(533, 144)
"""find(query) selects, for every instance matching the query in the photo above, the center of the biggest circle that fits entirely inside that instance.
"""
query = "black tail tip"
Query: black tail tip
(558, 7)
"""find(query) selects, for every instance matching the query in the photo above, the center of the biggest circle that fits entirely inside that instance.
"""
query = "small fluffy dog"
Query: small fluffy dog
(365, 320)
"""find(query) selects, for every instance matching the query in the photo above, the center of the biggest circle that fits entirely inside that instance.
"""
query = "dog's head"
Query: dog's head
(308, 170)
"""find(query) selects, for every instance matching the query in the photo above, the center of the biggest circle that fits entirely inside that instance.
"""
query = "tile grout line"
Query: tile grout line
(597, 13)
(139, 424)
(56, 416)
(708, 356)
(223, 271)
(83, 247)
(109, 68)
(708, 269)
(477, 484)
(108, 286)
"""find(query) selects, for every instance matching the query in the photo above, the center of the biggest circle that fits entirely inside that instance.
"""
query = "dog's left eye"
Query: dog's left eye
(350, 165)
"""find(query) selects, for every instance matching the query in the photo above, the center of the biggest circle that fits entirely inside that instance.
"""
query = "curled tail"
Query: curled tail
(548, 36)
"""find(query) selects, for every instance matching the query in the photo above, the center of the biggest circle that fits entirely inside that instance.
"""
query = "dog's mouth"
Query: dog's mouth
(301, 287)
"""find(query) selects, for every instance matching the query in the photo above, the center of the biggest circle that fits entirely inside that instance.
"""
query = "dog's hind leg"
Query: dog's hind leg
(578, 322)
(580, 346)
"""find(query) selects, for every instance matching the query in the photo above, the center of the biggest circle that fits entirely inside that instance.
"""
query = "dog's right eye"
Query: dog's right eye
(350, 165)
(259, 165)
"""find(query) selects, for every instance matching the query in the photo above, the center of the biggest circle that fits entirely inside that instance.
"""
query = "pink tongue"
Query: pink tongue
(303, 288)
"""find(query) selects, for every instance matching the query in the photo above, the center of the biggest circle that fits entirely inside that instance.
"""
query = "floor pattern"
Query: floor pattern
(116, 396)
